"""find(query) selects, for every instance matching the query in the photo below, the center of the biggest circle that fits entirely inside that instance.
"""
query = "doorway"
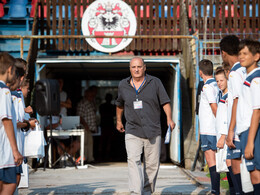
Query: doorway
(105, 72)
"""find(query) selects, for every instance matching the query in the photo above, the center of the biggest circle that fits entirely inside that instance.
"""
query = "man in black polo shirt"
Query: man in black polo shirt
(140, 97)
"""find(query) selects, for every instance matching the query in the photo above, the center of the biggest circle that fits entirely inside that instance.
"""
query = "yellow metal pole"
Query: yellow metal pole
(21, 53)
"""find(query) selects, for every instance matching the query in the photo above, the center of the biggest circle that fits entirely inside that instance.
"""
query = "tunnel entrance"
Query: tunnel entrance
(105, 72)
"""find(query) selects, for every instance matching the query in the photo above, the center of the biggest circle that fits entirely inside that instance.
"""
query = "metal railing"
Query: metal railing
(22, 37)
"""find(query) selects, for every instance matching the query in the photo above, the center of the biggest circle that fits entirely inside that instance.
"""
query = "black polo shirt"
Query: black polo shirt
(145, 122)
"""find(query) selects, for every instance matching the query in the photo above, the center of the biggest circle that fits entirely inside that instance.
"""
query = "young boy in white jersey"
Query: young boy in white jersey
(248, 127)
(25, 87)
(226, 69)
(221, 119)
(229, 53)
(19, 111)
(26, 123)
(24, 90)
(207, 120)
(17, 101)
(28, 110)
(9, 154)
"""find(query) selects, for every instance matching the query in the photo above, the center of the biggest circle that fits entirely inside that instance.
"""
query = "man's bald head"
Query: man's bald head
(139, 59)
(137, 68)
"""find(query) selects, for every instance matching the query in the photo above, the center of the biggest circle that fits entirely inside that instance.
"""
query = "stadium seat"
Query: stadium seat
(17, 11)
(22, 2)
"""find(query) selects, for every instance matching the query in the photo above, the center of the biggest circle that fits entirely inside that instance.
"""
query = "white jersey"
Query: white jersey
(26, 115)
(235, 82)
(18, 104)
(207, 120)
(19, 111)
(250, 100)
(6, 112)
(221, 117)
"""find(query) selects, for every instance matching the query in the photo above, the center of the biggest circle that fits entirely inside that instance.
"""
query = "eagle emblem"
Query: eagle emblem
(109, 18)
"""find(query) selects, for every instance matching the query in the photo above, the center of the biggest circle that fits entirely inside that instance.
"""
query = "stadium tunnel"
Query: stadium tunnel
(79, 72)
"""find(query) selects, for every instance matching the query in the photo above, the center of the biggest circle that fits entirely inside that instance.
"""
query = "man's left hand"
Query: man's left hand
(171, 123)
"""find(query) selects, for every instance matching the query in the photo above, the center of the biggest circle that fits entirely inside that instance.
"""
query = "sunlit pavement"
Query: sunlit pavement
(110, 178)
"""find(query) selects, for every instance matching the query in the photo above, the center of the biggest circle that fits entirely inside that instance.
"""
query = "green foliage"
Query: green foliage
(223, 184)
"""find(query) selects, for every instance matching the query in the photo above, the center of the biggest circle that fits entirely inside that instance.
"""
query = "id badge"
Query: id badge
(138, 105)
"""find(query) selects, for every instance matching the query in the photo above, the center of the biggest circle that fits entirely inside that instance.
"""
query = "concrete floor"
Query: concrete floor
(108, 178)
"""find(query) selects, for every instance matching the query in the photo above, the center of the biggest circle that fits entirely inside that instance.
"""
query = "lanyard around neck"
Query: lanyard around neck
(137, 90)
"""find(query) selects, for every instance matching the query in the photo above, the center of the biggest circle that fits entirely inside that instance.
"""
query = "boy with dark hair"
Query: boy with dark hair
(221, 116)
(10, 156)
(226, 69)
(25, 87)
(229, 54)
(229, 44)
(21, 73)
(23, 91)
(207, 119)
(23, 65)
(17, 101)
(248, 127)
(19, 111)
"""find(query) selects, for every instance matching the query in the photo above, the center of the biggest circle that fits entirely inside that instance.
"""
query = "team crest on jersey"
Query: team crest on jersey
(110, 18)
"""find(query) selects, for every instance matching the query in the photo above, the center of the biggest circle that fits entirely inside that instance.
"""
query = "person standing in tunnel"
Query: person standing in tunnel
(107, 112)
(87, 113)
(140, 97)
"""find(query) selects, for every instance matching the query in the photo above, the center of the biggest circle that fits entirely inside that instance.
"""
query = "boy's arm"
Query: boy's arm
(66, 104)
(232, 125)
(214, 108)
(221, 141)
(211, 98)
(249, 150)
(27, 124)
(28, 110)
(9, 129)
(21, 125)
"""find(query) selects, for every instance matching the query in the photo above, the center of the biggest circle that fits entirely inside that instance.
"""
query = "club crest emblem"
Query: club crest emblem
(109, 17)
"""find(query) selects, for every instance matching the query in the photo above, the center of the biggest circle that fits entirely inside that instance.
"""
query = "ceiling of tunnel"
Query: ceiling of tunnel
(101, 68)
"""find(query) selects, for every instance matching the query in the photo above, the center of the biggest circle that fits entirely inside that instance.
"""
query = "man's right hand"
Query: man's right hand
(229, 140)
(18, 158)
(120, 127)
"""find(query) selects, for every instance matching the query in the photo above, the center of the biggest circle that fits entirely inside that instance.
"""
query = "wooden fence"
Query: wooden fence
(212, 18)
